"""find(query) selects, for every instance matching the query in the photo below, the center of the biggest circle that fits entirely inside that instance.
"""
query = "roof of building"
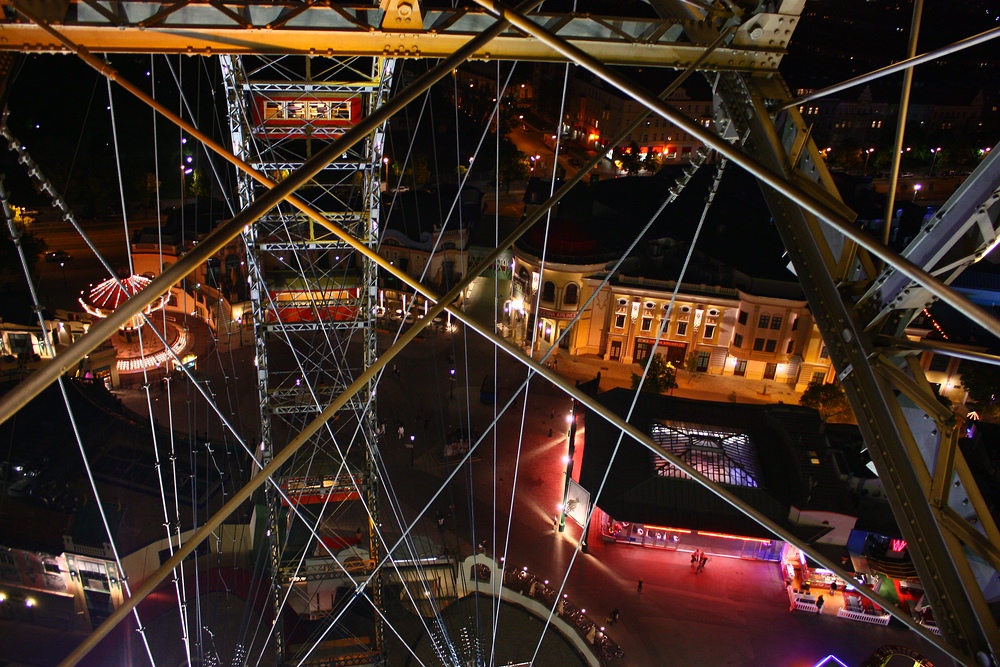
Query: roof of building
(418, 214)
(598, 222)
(117, 443)
(782, 449)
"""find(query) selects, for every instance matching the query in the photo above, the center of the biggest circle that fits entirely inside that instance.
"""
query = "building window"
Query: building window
(620, 321)
(19, 343)
(791, 345)
(795, 324)
(776, 322)
(616, 350)
(819, 377)
(647, 323)
(741, 368)
(939, 363)
(758, 344)
(682, 328)
(737, 340)
(824, 353)
(703, 359)
(770, 345)
(709, 331)
(549, 291)
(743, 317)
(572, 294)
(764, 321)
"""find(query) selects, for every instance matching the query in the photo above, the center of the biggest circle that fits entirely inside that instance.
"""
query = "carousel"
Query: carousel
(137, 344)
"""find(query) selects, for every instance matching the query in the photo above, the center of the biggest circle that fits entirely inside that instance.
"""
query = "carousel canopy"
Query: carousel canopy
(105, 297)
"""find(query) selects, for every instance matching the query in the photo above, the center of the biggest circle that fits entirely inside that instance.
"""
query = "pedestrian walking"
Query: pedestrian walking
(440, 520)
(819, 604)
(639, 587)
(695, 557)
(833, 588)
(400, 430)
(701, 563)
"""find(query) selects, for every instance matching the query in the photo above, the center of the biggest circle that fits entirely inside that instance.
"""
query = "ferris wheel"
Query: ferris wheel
(350, 533)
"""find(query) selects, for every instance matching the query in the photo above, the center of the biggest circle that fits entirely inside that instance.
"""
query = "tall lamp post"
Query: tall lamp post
(868, 154)
(571, 418)
(385, 162)
(934, 156)
(916, 191)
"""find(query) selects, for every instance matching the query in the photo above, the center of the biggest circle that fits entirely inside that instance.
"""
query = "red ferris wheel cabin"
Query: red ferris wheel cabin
(308, 114)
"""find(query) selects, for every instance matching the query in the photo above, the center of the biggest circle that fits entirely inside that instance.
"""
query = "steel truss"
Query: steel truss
(952, 536)
(313, 299)
(343, 30)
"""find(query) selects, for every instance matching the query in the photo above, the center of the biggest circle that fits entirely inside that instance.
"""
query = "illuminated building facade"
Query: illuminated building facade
(725, 328)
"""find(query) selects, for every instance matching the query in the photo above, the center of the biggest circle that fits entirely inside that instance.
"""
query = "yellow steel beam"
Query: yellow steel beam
(345, 42)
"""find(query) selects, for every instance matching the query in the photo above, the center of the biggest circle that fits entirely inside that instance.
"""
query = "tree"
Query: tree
(830, 401)
(652, 163)
(512, 163)
(197, 184)
(144, 187)
(631, 161)
(417, 172)
(10, 259)
(662, 376)
(982, 381)
(691, 363)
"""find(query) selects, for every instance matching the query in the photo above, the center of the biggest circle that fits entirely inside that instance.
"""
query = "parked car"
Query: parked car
(24, 483)
(58, 257)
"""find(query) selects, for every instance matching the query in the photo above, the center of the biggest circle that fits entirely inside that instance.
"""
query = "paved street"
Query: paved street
(736, 613)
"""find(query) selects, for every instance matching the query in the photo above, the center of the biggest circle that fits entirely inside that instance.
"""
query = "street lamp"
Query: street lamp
(934, 156)
(185, 170)
(916, 189)
(454, 381)
(385, 161)
(571, 419)
(868, 154)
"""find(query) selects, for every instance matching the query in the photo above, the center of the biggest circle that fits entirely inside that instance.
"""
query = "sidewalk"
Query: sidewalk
(701, 386)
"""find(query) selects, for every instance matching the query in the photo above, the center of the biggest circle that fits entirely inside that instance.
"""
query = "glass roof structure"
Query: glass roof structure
(725, 456)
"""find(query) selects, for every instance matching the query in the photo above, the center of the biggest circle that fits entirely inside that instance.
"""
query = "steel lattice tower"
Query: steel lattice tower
(313, 299)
